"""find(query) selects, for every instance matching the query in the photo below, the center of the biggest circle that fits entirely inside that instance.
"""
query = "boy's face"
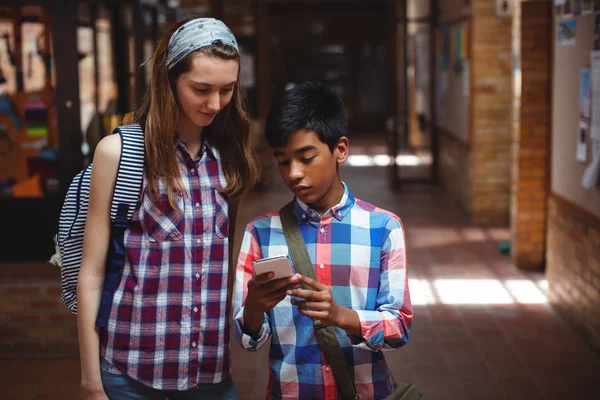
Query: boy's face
(310, 169)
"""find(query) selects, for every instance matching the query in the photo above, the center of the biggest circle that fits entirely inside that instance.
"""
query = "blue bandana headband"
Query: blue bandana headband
(195, 34)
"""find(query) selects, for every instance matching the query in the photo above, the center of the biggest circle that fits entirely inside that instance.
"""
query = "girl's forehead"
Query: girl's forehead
(213, 70)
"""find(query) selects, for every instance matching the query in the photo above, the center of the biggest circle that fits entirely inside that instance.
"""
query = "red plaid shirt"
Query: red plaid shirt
(168, 326)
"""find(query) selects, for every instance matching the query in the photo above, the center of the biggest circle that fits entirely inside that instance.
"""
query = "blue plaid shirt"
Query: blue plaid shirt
(358, 250)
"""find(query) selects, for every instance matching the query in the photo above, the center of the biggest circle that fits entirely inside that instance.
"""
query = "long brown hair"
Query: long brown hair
(159, 115)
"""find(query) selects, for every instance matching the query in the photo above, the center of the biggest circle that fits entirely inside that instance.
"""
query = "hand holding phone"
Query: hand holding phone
(264, 293)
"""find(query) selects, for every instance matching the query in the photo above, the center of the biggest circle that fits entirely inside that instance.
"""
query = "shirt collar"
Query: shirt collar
(207, 148)
(304, 213)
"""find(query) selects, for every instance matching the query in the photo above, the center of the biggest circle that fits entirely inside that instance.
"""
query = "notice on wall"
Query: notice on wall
(585, 99)
(587, 6)
(592, 172)
(582, 138)
(585, 95)
(595, 96)
(566, 33)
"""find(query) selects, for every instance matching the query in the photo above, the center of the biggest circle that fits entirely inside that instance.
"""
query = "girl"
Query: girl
(167, 334)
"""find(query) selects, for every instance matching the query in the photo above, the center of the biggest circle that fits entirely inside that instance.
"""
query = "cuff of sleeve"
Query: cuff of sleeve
(370, 328)
(250, 343)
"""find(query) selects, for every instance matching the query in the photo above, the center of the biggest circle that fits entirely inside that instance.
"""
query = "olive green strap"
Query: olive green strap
(326, 334)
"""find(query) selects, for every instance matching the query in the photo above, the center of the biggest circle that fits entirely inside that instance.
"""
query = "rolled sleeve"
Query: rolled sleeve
(246, 341)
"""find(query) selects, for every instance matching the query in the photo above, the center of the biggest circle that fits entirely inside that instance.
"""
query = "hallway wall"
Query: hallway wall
(573, 247)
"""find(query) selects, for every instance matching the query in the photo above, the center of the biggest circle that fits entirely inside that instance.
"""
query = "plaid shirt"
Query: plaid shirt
(358, 250)
(168, 326)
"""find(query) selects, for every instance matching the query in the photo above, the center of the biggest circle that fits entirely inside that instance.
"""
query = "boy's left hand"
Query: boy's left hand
(317, 303)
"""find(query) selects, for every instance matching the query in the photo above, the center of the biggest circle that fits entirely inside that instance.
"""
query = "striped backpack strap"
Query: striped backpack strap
(125, 197)
(131, 170)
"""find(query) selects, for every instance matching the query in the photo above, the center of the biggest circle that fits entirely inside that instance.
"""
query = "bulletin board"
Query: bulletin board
(452, 80)
(567, 171)
(453, 69)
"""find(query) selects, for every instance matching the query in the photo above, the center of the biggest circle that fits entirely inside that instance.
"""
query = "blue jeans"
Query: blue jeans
(122, 387)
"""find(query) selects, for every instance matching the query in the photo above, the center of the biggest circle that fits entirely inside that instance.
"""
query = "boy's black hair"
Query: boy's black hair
(311, 106)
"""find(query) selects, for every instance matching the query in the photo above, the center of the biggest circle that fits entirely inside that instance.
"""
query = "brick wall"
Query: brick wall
(573, 267)
(491, 123)
(532, 24)
(32, 317)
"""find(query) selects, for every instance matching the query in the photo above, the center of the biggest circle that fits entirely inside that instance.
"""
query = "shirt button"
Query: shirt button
(198, 242)
(195, 309)
(321, 266)
(327, 369)
(303, 216)
(192, 171)
(197, 275)
(197, 205)
(322, 230)
(193, 344)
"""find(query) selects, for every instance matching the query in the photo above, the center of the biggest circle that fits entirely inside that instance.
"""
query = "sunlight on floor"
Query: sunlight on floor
(477, 291)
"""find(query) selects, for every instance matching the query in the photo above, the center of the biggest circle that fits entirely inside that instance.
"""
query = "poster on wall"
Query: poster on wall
(566, 33)
(595, 90)
(585, 100)
(585, 95)
(592, 172)
(587, 7)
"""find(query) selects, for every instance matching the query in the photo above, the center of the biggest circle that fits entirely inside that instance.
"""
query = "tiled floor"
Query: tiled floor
(482, 328)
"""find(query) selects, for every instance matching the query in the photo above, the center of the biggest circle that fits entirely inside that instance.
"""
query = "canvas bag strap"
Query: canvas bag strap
(326, 334)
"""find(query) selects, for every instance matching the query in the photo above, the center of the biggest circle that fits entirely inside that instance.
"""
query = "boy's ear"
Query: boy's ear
(340, 151)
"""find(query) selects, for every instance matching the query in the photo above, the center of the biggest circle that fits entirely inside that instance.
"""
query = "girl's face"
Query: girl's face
(206, 88)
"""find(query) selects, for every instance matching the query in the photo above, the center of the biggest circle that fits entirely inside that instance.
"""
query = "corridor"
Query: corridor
(482, 328)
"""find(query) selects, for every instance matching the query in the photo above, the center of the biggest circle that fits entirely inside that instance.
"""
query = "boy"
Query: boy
(357, 251)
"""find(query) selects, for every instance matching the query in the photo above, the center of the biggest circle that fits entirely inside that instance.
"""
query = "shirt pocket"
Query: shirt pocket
(221, 215)
(160, 221)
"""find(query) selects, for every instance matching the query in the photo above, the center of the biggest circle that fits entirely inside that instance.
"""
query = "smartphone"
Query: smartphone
(279, 265)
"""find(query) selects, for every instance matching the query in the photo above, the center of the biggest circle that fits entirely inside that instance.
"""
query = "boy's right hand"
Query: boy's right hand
(264, 294)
